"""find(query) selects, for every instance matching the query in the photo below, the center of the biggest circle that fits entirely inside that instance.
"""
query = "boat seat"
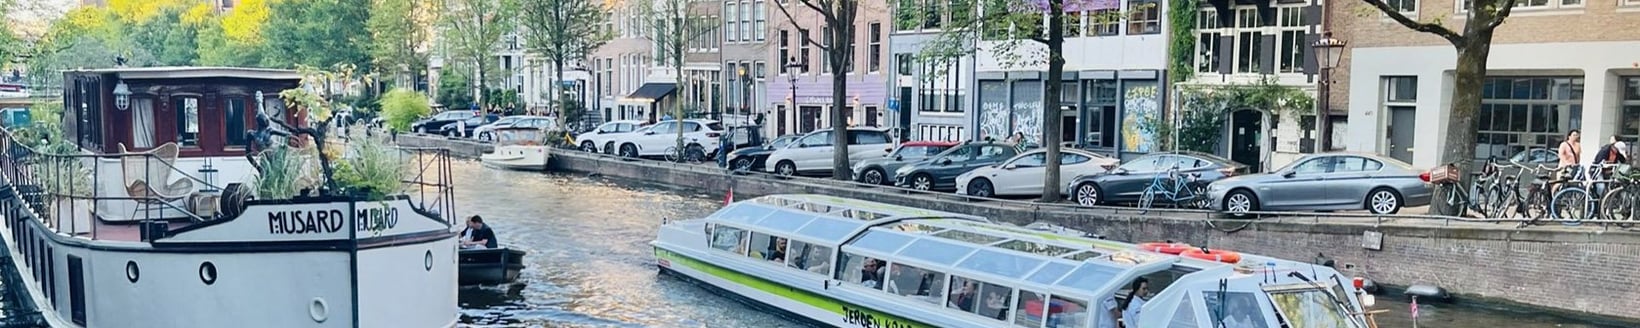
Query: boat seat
(142, 169)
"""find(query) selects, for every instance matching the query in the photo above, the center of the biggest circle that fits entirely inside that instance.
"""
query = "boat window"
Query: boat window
(1075, 313)
(862, 215)
(235, 112)
(915, 227)
(786, 222)
(1051, 272)
(729, 239)
(746, 213)
(1090, 276)
(968, 237)
(1184, 317)
(999, 263)
(769, 248)
(187, 121)
(1239, 309)
(863, 270)
(1083, 256)
(1309, 308)
(963, 294)
(936, 251)
(776, 201)
(886, 242)
(829, 229)
(817, 208)
(809, 257)
(1031, 306)
(995, 302)
(1035, 248)
(917, 283)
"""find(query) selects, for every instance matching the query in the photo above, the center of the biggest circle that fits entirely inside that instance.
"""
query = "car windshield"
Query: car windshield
(508, 120)
(715, 126)
(781, 142)
(919, 151)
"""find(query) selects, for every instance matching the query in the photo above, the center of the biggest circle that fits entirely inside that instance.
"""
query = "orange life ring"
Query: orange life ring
(1213, 255)
(1165, 248)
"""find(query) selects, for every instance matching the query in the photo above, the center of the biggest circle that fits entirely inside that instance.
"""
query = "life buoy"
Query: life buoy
(1212, 255)
(1165, 248)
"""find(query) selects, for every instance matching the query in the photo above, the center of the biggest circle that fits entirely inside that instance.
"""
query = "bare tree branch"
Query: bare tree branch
(793, 20)
(1497, 19)
(1435, 29)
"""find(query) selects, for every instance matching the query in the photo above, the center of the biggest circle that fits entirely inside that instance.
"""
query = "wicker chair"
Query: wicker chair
(147, 175)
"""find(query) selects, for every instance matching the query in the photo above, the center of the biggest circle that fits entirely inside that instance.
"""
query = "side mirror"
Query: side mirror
(1288, 174)
(1121, 171)
(1010, 166)
(899, 157)
(945, 161)
(650, 132)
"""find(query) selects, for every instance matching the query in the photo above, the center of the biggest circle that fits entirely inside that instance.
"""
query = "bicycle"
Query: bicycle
(1534, 203)
(1187, 193)
(1619, 202)
(1484, 188)
(1577, 201)
(693, 153)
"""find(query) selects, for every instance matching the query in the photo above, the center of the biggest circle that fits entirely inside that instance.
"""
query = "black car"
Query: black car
(745, 136)
(438, 121)
(472, 123)
(940, 172)
(751, 158)
(1127, 182)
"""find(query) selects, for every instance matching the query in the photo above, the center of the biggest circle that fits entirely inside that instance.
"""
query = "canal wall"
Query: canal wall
(1579, 271)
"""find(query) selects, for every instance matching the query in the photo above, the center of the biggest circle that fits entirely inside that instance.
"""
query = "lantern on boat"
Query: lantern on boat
(122, 96)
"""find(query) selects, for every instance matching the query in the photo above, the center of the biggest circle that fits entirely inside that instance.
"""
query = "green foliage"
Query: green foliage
(281, 167)
(60, 176)
(372, 168)
(1202, 112)
(1181, 53)
(217, 48)
(396, 32)
(46, 126)
(501, 98)
(317, 33)
(471, 30)
(167, 37)
(400, 107)
(455, 91)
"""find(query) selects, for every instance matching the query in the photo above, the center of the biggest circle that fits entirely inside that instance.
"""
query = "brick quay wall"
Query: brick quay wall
(1576, 270)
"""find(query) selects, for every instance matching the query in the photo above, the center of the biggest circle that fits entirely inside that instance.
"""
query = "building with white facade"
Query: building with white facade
(929, 98)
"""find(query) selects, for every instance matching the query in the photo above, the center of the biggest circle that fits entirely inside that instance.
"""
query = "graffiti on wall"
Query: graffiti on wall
(1141, 103)
(1028, 120)
(993, 109)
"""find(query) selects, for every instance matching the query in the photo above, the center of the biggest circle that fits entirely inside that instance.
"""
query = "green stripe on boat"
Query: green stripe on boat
(853, 314)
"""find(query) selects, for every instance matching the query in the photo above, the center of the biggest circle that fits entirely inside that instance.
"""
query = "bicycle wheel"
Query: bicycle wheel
(1198, 196)
(1570, 205)
(1457, 199)
(1147, 199)
(1535, 206)
(1507, 203)
(1618, 205)
(672, 154)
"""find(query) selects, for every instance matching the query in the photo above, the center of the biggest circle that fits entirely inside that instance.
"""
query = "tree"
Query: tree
(672, 26)
(397, 33)
(970, 33)
(839, 16)
(167, 37)
(473, 29)
(318, 33)
(402, 106)
(1473, 46)
(560, 31)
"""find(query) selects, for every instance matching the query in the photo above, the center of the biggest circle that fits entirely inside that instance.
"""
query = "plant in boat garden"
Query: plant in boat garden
(372, 168)
(314, 101)
(281, 168)
(59, 176)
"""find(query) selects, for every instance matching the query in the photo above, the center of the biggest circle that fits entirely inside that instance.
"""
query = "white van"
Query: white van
(812, 154)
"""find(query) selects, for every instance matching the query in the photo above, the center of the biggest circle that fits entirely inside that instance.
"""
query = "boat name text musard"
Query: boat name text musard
(330, 221)
(863, 319)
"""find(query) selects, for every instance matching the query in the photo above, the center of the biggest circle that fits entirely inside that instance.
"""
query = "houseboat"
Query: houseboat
(151, 213)
(849, 263)
(519, 148)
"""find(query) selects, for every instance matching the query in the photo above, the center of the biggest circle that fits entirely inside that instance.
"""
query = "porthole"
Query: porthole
(131, 272)
(207, 273)
(427, 261)
(318, 310)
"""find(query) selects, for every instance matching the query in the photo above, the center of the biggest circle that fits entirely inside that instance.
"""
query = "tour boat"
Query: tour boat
(490, 266)
(518, 149)
(153, 222)
(908, 267)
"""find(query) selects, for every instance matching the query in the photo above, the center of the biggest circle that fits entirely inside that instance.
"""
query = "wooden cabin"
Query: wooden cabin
(205, 110)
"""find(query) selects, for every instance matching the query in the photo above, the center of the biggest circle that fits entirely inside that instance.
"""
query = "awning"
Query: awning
(650, 92)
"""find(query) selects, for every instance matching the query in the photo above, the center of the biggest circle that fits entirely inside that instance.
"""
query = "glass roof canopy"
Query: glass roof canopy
(819, 218)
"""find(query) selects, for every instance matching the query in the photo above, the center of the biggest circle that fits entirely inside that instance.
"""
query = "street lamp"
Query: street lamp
(792, 66)
(1329, 52)
(745, 96)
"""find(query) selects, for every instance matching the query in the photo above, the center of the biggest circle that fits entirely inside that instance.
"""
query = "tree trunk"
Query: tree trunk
(558, 85)
(1051, 112)
(841, 46)
(1459, 147)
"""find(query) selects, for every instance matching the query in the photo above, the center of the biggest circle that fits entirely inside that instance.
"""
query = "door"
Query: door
(1023, 175)
(808, 119)
(1350, 180)
(1067, 125)
(1246, 138)
(1302, 186)
(1403, 124)
(658, 138)
(814, 153)
(1136, 175)
(864, 144)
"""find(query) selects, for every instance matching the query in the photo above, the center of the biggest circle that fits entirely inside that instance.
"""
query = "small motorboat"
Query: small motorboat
(518, 149)
(490, 266)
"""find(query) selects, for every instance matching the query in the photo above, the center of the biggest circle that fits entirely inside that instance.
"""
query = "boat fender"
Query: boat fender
(1212, 255)
(1167, 247)
(1428, 292)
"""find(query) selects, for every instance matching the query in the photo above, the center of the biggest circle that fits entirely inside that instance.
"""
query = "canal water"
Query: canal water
(590, 264)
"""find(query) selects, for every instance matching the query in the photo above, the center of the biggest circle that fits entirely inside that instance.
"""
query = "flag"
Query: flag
(729, 197)
(1414, 307)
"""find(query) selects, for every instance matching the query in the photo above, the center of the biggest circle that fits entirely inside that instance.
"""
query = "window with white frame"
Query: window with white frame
(1208, 32)
(825, 43)
(1539, 4)
(1144, 17)
(1629, 124)
(803, 51)
(941, 86)
(1245, 52)
(1290, 40)
(731, 27)
(761, 32)
(1408, 7)
(1630, 3)
(875, 53)
(785, 50)
(745, 21)
(1249, 35)
(1104, 22)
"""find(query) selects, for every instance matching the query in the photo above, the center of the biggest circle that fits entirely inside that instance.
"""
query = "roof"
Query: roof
(651, 91)
(929, 143)
(181, 72)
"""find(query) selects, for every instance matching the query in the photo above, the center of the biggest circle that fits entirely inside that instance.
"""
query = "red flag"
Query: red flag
(1414, 307)
(730, 197)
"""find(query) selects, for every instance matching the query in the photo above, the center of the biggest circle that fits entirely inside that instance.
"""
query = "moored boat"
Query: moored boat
(490, 266)
(165, 206)
(906, 267)
(518, 149)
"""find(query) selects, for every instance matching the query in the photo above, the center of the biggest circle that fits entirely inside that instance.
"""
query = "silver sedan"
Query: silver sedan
(1335, 181)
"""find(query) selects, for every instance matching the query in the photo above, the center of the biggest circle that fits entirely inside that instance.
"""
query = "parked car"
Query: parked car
(455, 129)
(1022, 175)
(486, 133)
(1335, 181)
(602, 138)
(876, 170)
(433, 123)
(752, 158)
(812, 154)
(1128, 181)
(940, 171)
(655, 140)
(744, 136)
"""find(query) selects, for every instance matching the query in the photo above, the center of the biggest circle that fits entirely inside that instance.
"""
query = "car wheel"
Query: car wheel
(981, 188)
(484, 136)
(421, 129)
(629, 151)
(587, 146)
(741, 164)
(694, 153)
(873, 176)
(922, 181)
(785, 169)
(609, 148)
(1383, 201)
(1087, 194)
(1240, 202)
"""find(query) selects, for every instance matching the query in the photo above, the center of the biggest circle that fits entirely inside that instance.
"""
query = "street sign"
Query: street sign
(893, 104)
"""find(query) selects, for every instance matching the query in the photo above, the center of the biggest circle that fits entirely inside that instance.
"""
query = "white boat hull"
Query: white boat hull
(518, 157)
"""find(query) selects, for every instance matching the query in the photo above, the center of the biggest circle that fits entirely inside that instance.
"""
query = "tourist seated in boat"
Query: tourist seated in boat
(776, 251)
(477, 235)
(871, 275)
(962, 295)
(815, 259)
(1135, 300)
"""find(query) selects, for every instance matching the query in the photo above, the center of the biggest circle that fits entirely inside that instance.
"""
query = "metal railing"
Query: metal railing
(45, 180)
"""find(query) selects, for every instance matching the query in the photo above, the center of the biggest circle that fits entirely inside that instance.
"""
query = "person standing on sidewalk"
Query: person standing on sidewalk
(1571, 153)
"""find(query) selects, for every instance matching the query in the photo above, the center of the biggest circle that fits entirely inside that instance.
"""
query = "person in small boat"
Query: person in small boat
(477, 235)
(963, 298)
(1111, 312)
(777, 253)
(871, 274)
(995, 302)
(818, 262)
(1135, 300)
